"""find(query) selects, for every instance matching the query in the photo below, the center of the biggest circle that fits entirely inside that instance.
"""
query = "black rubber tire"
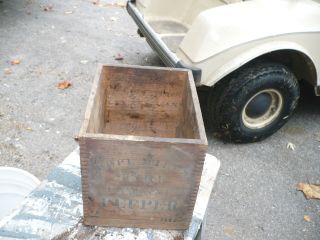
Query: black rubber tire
(228, 98)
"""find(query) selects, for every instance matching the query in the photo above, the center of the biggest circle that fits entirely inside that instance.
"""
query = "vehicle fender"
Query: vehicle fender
(248, 54)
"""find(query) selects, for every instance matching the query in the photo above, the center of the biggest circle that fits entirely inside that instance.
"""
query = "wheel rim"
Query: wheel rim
(262, 109)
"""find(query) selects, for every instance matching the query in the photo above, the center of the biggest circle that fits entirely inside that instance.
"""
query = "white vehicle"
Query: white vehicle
(249, 55)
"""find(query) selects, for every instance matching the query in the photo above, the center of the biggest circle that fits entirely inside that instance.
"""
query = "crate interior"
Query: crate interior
(144, 102)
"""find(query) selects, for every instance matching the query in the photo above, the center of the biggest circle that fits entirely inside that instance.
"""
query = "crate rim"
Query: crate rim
(83, 131)
(115, 137)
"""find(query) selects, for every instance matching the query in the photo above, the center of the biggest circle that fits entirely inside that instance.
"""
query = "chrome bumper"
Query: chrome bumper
(168, 57)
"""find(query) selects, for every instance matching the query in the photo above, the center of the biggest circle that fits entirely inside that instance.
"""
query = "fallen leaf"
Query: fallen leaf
(307, 218)
(123, 5)
(228, 231)
(113, 19)
(311, 191)
(68, 12)
(29, 128)
(7, 71)
(15, 62)
(48, 8)
(64, 84)
(291, 146)
(118, 57)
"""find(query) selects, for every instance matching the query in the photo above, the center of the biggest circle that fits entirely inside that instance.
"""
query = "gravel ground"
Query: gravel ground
(254, 196)
(55, 41)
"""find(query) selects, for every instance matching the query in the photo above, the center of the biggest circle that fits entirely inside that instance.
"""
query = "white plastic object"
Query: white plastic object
(15, 185)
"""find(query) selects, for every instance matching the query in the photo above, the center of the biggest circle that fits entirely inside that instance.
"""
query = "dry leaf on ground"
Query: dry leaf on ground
(120, 4)
(291, 146)
(307, 218)
(15, 62)
(228, 231)
(7, 71)
(64, 84)
(311, 191)
(118, 57)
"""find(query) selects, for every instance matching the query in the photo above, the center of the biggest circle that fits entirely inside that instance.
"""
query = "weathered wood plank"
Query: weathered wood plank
(148, 182)
(141, 101)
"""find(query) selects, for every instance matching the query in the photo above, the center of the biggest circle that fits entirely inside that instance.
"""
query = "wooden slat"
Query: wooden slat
(150, 182)
(94, 111)
(140, 101)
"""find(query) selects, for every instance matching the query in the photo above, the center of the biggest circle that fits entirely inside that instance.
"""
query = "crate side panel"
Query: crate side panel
(143, 102)
(141, 184)
(97, 111)
(187, 124)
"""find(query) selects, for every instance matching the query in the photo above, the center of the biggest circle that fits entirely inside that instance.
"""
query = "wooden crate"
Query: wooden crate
(142, 147)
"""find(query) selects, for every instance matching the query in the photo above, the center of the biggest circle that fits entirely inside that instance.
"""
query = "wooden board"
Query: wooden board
(142, 147)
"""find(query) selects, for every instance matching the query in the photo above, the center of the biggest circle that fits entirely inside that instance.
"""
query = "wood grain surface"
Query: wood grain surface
(142, 147)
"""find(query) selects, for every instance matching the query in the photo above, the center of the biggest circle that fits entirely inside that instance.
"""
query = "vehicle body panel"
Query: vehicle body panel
(178, 10)
(222, 64)
(218, 29)
(222, 37)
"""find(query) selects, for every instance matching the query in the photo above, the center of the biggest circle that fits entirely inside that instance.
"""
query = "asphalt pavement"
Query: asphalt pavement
(255, 194)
